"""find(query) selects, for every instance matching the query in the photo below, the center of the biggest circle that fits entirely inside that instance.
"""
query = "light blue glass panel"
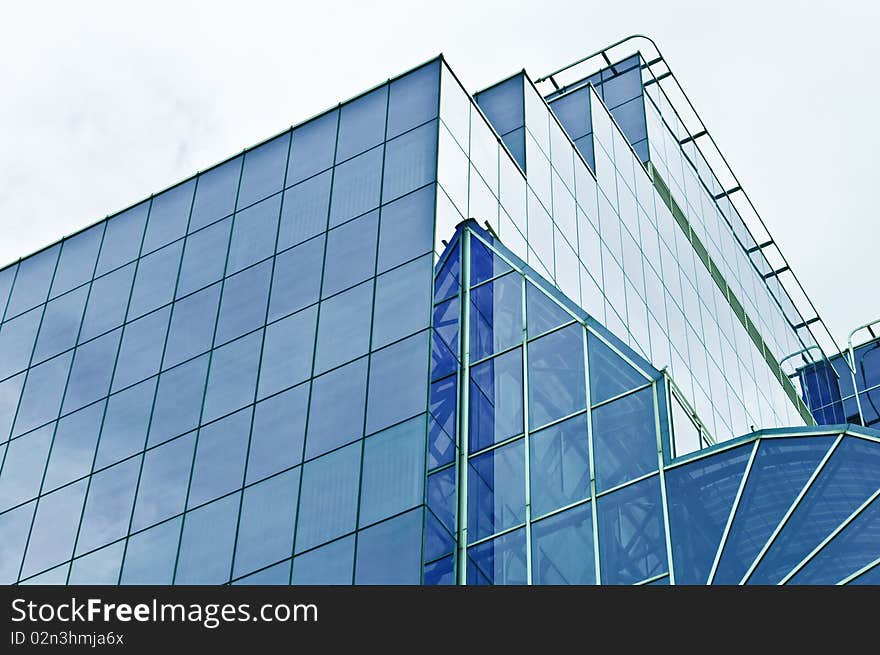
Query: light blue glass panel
(351, 254)
(559, 465)
(496, 400)
(501, 561)
(503, 104)
(273, 575)
(406, 228)
(7, 276)
(206, 544)
(413, 99)
(14, 528)
(410, 161)
(264, 169)
(54, 529)
(329, 496)
(362, 123)
(305, 210)
(91, 371)
(140, 353)
(125, 423)
(232, 380)
(265, 527)
(624, 439)
(496, 316)
(220, 458)
(403, 301)
(287, 352)
(700, 496)
(609, 374)
(780, 469)
(107, 304)
(557, 385)
(336, 412)
(23, 467)
(398, 382)
(122, 238)
(79, 254)
(391, 552)
(32, 282)
(164, 480)
(150, 555)
(562, 548)
(17, 339)
(313, 147)
(169, 215)
(496, 491)
(215, 194)
(98, 568)
(108, 505)
(178, 400)
(73, 449)
(632, 546)
(204, 257)
(393, 471)
(296, 281)
(41, 398)
(344, 327)
(332, 564)
(10, 391)
(253, 234)
(192, 326)
(243, 307)
(278, 433)
(357, 184)
(542, 313)
(155, 280)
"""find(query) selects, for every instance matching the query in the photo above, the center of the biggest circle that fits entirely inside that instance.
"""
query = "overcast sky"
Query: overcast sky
(105, 103)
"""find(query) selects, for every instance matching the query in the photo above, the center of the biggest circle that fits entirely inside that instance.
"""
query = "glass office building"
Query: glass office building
(429, 337)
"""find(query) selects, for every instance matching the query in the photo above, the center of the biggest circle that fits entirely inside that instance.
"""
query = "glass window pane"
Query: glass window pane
(98, 568)
(253, 234)
(23, 467)
(362, 123)
(155, 280)
(562, 548)
(164, 481)
(107, 304)
(274, 575)
(204, 257)
(351, 254)
(442, 423)
(32, 282)
(393, 471)
(232, 380)
(328, 505)
(7, 275)
(169, 215)
(178, 400)
(557, 385)
(413, 99)
(91, 371)
(150, 555)
(54, 529)
(609, 374)
(73, 449)
(125, 423)
(559, 463)
(444, 339)
(332, 564)
(496, 316)
(357, 184)
(344, 327)
(625, 439)
(406, 228)
(441, 572)
(108, 505)
(264, 169)
(391, 552)
(501, 561)
(438, 540)
(296, 281)
(60, 325)
(442, 496)
(41, 398)
(485, 263)
(10, 392)
(14, 528)
(207, 542)
(313, 147)
(398, 382)
(336, 412)
(542, 312)
(410, 161)
(287, 352)
(305, 210)
(220, 458)
(215, 194)
(503, 104)
(243, 307)
(403, 301)
(77, 262)
(122, 238)
(265, 528)
(496, 491)
(278, 433)
(140, 353)
(17, 342)
(192, 326)
(496, 405)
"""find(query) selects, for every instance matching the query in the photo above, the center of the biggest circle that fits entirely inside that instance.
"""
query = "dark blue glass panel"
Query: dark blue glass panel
(60, 325)
(54, 529)
(108, 301)
(98, 568)
(108, 505)
(442, 497)
(780, 469)
(356, 186)
(496, 400)
(410, 161)
(207, 543)
(438, 540)
(313, 147)
(305, 210)
(573, 111)
(17, 342)
(447, 281)
(351, 254)
(442, 422)
(414, 99)
(23, 467)
(391, 552)
(76, 264)
(559, 463)
(274, 575)
(155, 280)
(243, 307)
(32, 282)
(562, 548)
(232, 381)
(329, 498)
(847, 480)
(92, 371)
(630, 116)
(444, 340)
(485, 263)
(700, 496)
(336, 412)
(220, 458)
(622, 87)
(632, 546)
(332, 564)
(609, 374)
(41, 398)
(125, 423)
(557, 384)
(362, 123)
(398, 382)
(869, 577)
(403, 301)
(296, 281)
(122, 238)
(140, 353)
(278, 433)
(253, 234)
(585, 147)
(287, 352)
(264, 169)
(178, 400)
(393, 471)
(496, 491)
(74, 446)
(504, 104)
(406, 228)
(624, 439)
(14, 528)
(501, 561)
(265, 528)
(215, 194)
(496, 316)
(516, 143)
(10, 391)
(150, 555)
(192, 326)
(441, 572)
(204, 257)
(169, 215)
(542, 313)
(164, 480)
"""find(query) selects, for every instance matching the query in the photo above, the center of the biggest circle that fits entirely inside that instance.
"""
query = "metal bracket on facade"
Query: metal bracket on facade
(776, 273)
(760, 246)
(692, 137)
(730, 191)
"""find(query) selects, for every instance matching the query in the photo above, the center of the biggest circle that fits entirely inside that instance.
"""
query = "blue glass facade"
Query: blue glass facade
(422, 338)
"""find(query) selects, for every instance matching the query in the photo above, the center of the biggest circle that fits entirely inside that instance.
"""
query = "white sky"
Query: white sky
(105, 103)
